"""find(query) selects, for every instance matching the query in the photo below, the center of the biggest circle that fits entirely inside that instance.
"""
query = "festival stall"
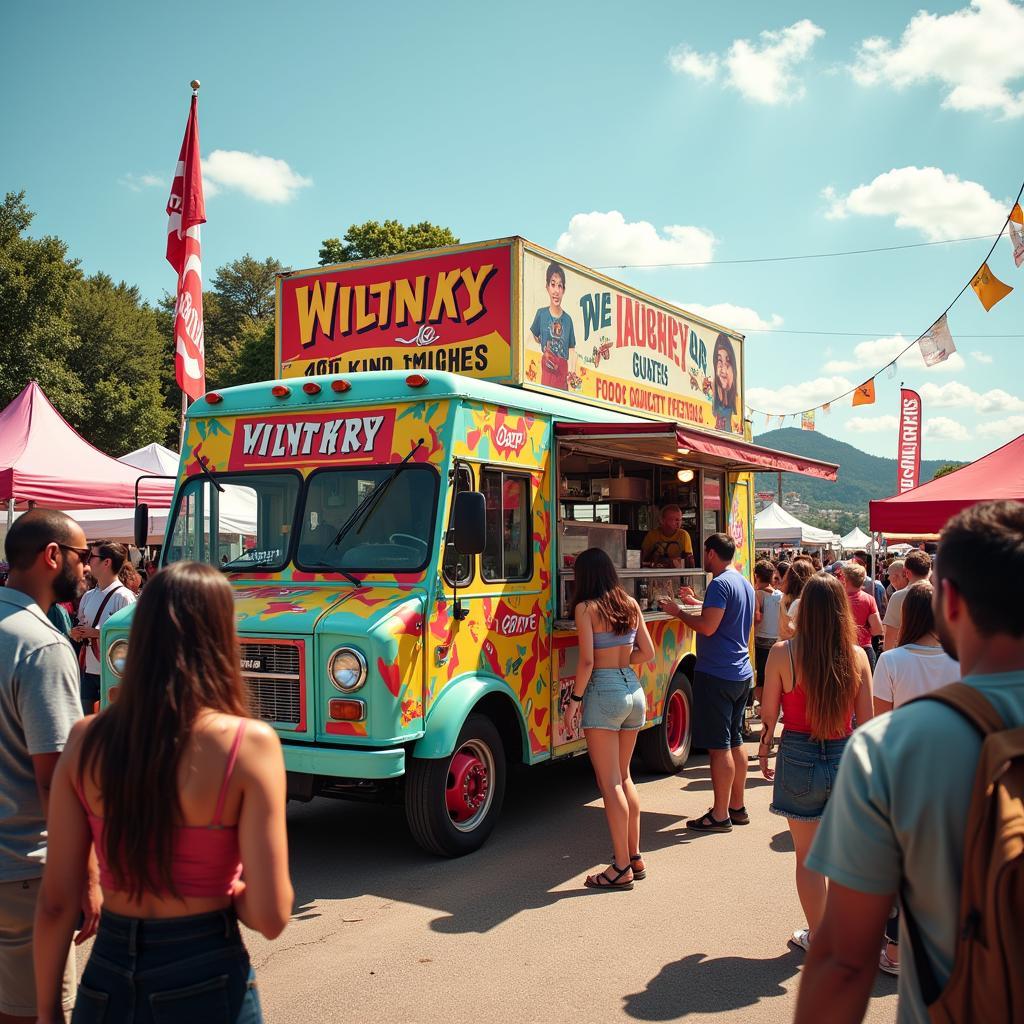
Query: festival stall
(856, 540)
(775, 527)
(998, 476)
(43, 461)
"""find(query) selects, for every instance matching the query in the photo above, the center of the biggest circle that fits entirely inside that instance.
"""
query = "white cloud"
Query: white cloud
(872, 424)
(955, 395)
(137, 182)
(737, 318)
(608, 239)
(976, 53)
(763, 72)
(1008, 427)
(981, 357)
(937, 204)
(942, 428)
(874, 355)
(263, 178)
(797, 397)
(697, 65)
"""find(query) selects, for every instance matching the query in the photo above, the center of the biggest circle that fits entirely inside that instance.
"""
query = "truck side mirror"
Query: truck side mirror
(141, 525)
(469, 523)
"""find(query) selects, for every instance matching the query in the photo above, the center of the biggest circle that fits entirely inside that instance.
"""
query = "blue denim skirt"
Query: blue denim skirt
(805, 772)
(185, 970)
(614, 699)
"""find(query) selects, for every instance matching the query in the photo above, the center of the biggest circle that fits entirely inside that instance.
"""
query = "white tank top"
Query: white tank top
(768, 627)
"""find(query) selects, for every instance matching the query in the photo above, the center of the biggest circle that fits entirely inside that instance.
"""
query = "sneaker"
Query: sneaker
(801, 938)
(885, 964)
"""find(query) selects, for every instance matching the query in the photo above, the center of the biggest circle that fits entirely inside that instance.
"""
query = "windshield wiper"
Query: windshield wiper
(366, 506)
(206, 472)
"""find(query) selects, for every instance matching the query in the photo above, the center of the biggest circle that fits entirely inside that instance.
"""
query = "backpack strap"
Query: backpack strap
(977, 709)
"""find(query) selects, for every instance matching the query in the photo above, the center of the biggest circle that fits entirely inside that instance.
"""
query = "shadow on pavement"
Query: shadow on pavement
(546, 837)
(697, 985)
(782, 842)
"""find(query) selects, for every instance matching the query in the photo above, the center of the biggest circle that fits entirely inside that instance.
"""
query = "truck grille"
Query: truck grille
(275, 689)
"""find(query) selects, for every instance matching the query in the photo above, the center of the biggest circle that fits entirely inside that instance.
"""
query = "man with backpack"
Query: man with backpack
(920, 796)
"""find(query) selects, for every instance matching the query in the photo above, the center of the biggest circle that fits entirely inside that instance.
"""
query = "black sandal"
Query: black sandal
(603, 882)
(638, 875)
(708, 823)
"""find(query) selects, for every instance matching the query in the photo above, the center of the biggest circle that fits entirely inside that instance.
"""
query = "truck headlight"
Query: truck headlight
(117, 655)
(347, 669)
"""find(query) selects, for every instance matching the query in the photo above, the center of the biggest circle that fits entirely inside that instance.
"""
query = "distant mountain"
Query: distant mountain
(861, 478)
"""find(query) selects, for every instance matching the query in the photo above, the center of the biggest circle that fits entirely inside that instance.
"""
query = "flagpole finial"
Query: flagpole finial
(195, 84)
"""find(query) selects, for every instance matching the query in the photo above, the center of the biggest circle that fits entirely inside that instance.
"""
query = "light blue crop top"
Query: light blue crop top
(606, 638)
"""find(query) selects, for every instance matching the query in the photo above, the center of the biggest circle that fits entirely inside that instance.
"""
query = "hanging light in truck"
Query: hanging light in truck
(684, 476)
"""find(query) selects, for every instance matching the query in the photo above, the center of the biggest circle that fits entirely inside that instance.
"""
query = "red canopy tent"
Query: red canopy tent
(44, 461)
(998, 476)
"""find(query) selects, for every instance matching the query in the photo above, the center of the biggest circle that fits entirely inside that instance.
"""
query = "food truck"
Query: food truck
(448, 430)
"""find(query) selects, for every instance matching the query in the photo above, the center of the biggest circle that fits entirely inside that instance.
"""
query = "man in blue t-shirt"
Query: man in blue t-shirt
(552, 329)
(721, 680)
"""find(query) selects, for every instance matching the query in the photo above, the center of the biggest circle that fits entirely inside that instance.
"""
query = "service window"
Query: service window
(507, 555)
(458, 569)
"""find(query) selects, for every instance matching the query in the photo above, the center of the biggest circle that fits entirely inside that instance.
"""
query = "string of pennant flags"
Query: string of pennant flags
(936, 344)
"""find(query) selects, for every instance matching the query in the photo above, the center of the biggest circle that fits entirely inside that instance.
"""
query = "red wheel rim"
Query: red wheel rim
(676, 721)
(468, 789)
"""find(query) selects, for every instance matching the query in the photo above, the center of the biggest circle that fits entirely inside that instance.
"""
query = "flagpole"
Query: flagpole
(195, 85)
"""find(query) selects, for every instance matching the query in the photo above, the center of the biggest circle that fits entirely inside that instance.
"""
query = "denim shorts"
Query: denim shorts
(179, 970)
(718, 708)
(614, 699)
(805, 772)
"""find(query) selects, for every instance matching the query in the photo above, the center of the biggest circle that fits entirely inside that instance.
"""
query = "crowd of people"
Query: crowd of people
(836, 653)
(161, 819)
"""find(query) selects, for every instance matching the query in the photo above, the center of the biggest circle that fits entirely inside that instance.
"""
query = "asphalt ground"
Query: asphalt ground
(383, 932)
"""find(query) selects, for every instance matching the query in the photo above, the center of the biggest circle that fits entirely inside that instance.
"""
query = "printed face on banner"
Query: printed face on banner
(447, 312)
(614, 348)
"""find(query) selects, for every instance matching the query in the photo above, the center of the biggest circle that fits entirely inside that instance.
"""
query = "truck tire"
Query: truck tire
(452, 803)
(665, 747)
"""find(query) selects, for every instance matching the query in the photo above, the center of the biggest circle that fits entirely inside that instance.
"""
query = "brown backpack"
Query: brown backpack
(987, 983)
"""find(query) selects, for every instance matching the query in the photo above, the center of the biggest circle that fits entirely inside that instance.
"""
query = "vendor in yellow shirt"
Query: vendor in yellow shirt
(668, 545)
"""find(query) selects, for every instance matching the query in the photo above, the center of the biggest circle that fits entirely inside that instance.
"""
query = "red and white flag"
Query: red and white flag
(185, 212)
(908, 463)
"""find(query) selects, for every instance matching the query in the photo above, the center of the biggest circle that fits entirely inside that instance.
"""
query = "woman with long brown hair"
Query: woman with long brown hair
(612, 638)
(819, 679)
(178, 789)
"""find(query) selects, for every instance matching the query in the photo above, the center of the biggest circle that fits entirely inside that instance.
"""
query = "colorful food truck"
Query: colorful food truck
(449, 429)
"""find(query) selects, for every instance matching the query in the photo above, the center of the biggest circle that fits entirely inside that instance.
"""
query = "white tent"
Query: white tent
(237, 507)
(774, 525)
(856, 540)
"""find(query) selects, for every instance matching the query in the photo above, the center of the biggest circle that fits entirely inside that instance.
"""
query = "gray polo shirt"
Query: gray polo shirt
(39, 703)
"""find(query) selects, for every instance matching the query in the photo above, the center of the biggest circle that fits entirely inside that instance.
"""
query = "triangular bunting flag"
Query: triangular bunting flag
(807, 420)
(1017, 233)
(988, 287)
(826, 408)
(890, 370)
(865, 394)
(936, 343)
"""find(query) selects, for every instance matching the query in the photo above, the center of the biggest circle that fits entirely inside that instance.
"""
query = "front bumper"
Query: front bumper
(344, 763)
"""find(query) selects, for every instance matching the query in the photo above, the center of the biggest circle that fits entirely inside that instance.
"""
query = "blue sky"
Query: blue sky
(651, 133)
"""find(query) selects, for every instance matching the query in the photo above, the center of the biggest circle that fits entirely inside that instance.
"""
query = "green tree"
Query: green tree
(121, 360)
(949, 467)
(375, 238)
(246, 289)
(36, 331)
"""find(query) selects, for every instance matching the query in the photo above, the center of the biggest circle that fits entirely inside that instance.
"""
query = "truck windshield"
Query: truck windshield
(246, 525)
(396, 534)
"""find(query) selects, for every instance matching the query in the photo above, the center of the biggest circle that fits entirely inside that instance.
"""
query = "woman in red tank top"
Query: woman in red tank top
(180, 792)
(819, 680)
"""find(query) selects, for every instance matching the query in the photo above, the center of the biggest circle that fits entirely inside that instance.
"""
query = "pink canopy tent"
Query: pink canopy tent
(998, 476)
(44, 461)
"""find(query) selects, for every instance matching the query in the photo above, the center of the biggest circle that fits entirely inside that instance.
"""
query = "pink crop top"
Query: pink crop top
(205, 860)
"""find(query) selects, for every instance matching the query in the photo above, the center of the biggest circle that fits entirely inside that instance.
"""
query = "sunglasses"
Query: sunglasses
(84, 554)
